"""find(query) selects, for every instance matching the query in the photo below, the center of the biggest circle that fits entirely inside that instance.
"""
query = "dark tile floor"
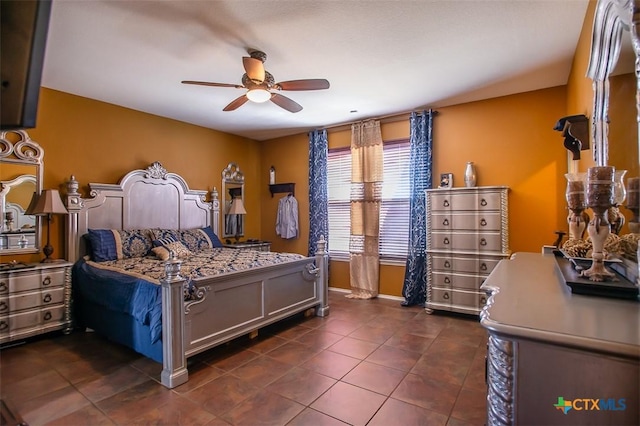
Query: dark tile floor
(370, 362)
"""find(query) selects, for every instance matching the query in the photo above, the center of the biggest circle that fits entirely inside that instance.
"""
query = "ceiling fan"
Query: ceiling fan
(261, 85)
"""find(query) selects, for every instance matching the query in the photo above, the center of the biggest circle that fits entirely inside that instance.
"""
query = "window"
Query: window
(394, 209)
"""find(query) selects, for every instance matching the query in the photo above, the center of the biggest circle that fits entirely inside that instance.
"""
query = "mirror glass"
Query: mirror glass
(233, 202)
(20, 177)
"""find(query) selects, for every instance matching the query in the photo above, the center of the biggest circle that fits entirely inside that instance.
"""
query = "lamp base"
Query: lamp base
(47, 251)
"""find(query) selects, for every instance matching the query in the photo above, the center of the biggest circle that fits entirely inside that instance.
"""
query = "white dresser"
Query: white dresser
(554, 357)
(35, 300)
(467, 235)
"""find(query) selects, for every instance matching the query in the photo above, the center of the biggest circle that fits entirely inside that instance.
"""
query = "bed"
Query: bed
(170, 310)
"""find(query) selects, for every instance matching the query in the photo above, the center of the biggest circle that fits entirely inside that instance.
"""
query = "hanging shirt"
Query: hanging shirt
(287, 218)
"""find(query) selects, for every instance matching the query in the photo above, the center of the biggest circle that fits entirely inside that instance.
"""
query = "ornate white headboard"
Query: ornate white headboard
(150, 198)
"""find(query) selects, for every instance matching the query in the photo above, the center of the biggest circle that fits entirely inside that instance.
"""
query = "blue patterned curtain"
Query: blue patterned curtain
(414, 288)
(318, 198)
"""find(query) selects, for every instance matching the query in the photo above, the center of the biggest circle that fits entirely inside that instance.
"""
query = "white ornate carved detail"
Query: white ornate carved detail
(156, 171)
(612, 18)
(24, 150)
(232, 173)
(500, 382)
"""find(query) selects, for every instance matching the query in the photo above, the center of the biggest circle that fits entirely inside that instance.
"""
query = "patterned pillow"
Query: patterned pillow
(194, 239)
(164, 250)
(199, 239)
(112, 244)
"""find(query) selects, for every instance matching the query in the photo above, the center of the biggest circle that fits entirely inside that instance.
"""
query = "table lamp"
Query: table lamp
(46, 204)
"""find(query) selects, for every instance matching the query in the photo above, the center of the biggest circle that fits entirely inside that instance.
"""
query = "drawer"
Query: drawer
(449, 201)
(34, 279)
(22, 301)
(471, 264)
(467, 299)
(441, 296)
(36, 318)
(481, 221)
(457, 281)
(488, 242)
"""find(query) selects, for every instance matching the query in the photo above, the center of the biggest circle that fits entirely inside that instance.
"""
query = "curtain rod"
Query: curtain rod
(383, 119)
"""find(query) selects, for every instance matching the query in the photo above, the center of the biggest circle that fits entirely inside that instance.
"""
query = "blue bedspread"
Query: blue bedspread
(122, 293)
(132, 286)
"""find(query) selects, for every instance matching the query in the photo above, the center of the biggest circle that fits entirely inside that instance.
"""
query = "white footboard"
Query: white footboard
(234, 305)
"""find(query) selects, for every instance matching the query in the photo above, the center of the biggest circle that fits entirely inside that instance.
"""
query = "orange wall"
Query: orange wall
(100, 142)
(510, 139)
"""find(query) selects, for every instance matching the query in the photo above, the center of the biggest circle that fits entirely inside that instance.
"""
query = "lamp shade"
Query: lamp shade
(48, 202)
(237, 207)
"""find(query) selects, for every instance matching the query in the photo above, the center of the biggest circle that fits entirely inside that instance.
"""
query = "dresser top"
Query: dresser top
(531, 301)
(469, 189)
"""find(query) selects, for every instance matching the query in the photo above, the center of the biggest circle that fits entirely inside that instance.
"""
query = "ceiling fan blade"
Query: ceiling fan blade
(206, 83)
(286, 103)
(236, 103)
(311, 84)
(254, 69)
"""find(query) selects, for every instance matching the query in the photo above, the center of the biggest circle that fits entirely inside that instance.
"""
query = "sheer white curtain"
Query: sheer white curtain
(366, 196)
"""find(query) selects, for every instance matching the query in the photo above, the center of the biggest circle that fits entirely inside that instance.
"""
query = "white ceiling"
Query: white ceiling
(381, 57)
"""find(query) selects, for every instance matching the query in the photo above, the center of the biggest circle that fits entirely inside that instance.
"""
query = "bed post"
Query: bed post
(73, 201)
(174, 361)
(322, 263)
(215, 212)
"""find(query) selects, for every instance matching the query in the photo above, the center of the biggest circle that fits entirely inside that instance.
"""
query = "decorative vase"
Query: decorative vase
(470, 175)
(272, 176)
(577, 203)
(616, 218)
(600, 191)
(633, 203)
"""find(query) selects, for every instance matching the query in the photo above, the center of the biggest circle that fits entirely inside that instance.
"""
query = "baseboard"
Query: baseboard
(381, 296)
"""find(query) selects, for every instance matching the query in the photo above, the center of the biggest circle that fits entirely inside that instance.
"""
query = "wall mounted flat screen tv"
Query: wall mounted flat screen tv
(23, 37)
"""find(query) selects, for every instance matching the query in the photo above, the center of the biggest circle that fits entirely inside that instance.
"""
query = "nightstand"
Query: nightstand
(250, 245)
(34, 299)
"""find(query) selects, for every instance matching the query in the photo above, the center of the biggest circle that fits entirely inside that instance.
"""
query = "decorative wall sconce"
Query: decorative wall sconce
(575, 130)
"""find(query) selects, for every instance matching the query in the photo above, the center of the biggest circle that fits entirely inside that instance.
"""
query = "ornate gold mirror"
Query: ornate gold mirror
(233, 202)
(21, 170)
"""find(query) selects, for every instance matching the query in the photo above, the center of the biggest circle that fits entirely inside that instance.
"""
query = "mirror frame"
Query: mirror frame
(612, 19)
(24, 151)
(232, 181)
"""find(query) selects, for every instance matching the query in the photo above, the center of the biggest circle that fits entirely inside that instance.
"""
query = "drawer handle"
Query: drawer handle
(47, 316)
(483, 300)
(483, 222)
(445, 241)
(483, 242)
(46, 281)
(447, 280)
(483, 266)
(483, 202)
(4, 325)
(4, 306)
(445, 222)
(445, 296)
(445, 203)
(3, 286)
(46, 298)
(447, 264)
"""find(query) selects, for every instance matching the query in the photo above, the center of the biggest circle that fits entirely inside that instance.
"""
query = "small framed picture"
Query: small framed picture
(446, 180)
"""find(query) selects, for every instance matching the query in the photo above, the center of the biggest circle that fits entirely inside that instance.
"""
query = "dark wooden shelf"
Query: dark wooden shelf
(282, 187)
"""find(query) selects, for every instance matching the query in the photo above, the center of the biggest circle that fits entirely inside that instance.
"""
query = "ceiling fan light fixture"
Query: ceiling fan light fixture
(258, 95)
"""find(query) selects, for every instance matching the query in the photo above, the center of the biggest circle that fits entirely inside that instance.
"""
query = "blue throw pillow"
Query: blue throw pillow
(215, 241)
(103, 245)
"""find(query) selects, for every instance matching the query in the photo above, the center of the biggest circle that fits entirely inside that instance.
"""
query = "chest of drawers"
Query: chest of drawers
(35, 300)
(467, 235)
